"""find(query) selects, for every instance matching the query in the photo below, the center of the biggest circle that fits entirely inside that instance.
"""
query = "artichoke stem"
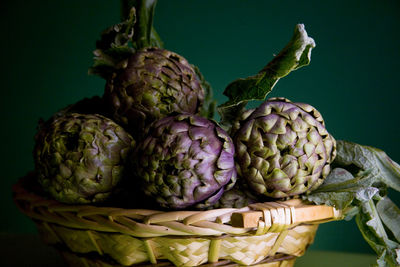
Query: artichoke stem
(144, 21)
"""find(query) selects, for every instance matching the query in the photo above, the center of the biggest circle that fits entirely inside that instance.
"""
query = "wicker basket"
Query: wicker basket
(263, 234)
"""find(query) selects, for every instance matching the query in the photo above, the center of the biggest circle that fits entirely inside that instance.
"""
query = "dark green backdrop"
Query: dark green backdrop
(353, 79)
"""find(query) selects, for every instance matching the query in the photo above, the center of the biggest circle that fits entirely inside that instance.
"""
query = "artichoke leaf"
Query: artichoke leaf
(296, 54)
(117, 42)
(390, 215)
(340, 188)
(340, 179)
(340, 200)
(373, 231)
(113, 47)
(359, 185)
(365, 158)
(374, 171)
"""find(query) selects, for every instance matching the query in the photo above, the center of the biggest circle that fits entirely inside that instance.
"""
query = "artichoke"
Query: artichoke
(184, 160)
(155, 83)
(79, 158)
(283, 148)
(237, 198)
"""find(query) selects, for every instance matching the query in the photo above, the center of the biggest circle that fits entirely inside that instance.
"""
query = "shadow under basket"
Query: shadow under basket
(269, 234)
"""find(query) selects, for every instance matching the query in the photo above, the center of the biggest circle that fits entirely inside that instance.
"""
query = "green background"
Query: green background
(353, 80)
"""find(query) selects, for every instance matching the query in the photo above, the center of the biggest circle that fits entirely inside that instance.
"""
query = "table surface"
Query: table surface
(27, 250)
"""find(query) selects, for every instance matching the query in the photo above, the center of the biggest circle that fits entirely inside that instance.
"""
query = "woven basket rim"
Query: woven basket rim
(255, 218)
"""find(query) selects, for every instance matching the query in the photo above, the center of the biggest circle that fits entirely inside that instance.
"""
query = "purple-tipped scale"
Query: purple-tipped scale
(283, 148)
(185, 160)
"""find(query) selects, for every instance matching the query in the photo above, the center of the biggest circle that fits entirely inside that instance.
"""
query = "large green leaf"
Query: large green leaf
(340, 179)
(340, 188)
(390, 215)
(369, 158)
(295, 54)
(373, 231)
(339, 200)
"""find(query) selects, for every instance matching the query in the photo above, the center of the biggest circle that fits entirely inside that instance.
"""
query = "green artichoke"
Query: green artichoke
(185, 160)
(79, 158)
(155, 83)
(283, 148)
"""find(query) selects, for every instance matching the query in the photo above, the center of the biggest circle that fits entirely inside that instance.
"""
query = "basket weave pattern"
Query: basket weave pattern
(125, 237)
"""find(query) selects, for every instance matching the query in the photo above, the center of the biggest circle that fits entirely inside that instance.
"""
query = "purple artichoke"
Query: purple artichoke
(154, 84)
(283, 148)
(185, 160)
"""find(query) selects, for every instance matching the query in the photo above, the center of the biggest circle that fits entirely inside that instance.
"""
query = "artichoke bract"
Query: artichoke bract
(155, 83)
(184, 160)
(283, 148)
(235, 198)
(80, 158)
